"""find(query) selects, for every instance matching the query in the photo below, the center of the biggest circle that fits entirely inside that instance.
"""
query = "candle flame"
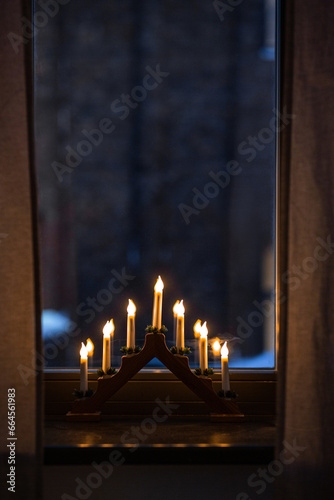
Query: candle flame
(89, 347)
(216, 347)
(197, 328)
(204, 331)
(224, 350)
(108, 328)
(158, 287)
(131, 308)
(176, 306)
(180, 309)
(83, 351)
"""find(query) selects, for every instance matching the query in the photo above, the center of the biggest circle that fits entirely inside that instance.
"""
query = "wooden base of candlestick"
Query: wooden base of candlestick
(155, 347)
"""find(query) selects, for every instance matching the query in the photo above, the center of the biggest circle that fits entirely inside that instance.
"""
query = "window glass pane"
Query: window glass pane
(155, 137)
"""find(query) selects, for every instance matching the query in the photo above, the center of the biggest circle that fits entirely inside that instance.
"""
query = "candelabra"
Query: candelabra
(221, 408)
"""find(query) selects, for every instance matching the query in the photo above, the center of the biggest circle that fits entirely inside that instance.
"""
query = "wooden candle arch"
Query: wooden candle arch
(155, 347)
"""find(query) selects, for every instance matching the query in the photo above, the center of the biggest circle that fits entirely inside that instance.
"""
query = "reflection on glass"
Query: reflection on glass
(155, 135)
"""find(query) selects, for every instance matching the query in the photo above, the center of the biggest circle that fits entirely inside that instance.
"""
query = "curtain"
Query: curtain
(305, 444)
(20, 332)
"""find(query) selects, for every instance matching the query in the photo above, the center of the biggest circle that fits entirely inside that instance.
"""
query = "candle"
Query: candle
(131, 325)
(203, 348)
(180, 327)
(90, 347)
(197, 328)
(157, 304)
(176, 305)
(83, 368)
(225, 374)
(108, 329)
(216, 347)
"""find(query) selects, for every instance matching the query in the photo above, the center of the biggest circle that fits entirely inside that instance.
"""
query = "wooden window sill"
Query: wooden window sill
(172, 442)
(186, 438)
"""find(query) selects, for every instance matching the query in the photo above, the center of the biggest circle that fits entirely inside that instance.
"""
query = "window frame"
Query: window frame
(260, 384)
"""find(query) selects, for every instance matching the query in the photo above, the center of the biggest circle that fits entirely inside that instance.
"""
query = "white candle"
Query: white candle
(176, 305)
(157, 304)
(108, 329)
(83, 368)
(131, 325)
(197, 331)
(203, 348)
(225, 373)
(180, 327)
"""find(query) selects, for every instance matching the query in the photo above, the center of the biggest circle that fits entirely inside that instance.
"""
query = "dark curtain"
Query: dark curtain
(306, 338)
(20, 333)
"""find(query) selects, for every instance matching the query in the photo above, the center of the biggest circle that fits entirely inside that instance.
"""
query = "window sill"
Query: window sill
(79, 443)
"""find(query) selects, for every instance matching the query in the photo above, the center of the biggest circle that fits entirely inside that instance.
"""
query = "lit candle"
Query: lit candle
(180, 327)
(131, 325)
(90, 347)
(83, 368)
(225, 373)
(176, 305)
(216, 347)
(197, 328)
(108, 329)
(157, 304)
(203, 348)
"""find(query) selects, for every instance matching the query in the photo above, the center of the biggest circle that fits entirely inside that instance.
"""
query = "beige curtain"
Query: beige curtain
(306, 359)
(20, 332)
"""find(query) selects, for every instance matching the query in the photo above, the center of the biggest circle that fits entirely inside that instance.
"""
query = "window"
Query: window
(155, 133)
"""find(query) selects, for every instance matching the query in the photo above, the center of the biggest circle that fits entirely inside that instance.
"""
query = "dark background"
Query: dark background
(120, 207)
